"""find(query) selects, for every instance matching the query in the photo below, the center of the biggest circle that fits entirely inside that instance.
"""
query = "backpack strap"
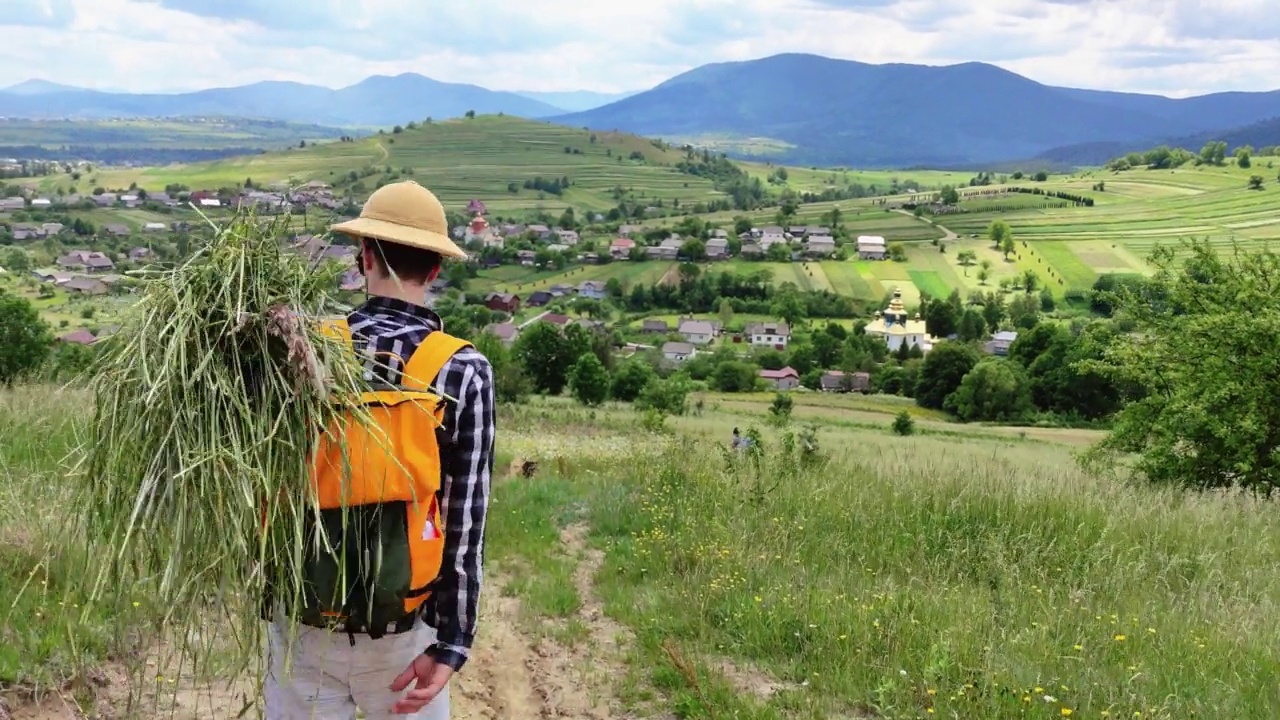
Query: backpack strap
(426, 362)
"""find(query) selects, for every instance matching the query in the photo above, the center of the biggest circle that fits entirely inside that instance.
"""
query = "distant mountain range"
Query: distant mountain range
(793, 108)
(838, 112)
(575, 101)
(1259, 134)
(377, 101)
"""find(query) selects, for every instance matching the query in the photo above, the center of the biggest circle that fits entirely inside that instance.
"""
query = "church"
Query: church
(897, 330)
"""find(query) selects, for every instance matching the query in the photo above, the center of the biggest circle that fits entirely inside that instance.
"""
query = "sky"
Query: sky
(1170, 47)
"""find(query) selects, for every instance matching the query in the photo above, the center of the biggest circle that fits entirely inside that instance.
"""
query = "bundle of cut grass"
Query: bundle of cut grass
(208, 405)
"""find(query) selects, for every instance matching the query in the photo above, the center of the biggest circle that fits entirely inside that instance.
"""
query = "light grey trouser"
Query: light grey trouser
(327, 677)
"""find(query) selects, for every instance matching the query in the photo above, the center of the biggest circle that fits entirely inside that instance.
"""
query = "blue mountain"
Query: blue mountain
(376, 101)
(839, 112)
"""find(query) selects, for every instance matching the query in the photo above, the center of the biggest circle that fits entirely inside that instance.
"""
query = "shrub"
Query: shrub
(903, 424)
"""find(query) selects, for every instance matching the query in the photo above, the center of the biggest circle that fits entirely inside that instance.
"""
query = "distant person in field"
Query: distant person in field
(740, 443)
(389, 648)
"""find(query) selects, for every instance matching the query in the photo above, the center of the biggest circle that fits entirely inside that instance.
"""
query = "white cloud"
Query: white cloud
(1168, 46)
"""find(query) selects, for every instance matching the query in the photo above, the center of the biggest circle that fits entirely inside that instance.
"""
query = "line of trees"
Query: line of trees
(1079, 200)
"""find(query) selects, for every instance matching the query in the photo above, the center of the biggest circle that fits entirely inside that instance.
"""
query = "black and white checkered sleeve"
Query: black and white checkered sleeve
(467, 462)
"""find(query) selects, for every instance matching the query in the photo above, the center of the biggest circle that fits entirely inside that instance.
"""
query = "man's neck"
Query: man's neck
(410, 292)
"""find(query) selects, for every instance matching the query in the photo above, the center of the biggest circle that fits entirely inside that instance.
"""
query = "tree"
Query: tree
(1255, 182)
(949, 196)
(942, 319)
(1214, 153)
(725, 313)
(966, 258)
(17, 262)
(547, 355)
(471, 114)
(667, 397)
(613, 288)
(25, 339)
(511, 383)
(943, 370)
(1243, 158)
(695, 250)
(1059, 383)
(972, 326)
(1047, 301)
(1007, 246)
(1204, 351)
(984, 272)
(993, 391)
(998, 231)
(903, 424)
(735, 377)
(789, 306)
(1024, 311)
(1030, 281)
(993, 311)
(589, 381)
(630, 379)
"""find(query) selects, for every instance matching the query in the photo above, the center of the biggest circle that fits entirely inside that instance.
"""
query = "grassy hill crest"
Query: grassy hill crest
(489, 157)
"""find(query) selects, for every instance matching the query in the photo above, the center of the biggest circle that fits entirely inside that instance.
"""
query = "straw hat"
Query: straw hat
(407, 214)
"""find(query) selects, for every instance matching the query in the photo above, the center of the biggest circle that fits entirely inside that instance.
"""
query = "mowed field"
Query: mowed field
(461, 160)
(1138, 210)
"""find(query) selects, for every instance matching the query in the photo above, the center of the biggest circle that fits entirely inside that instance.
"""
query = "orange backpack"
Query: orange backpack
(377, 493)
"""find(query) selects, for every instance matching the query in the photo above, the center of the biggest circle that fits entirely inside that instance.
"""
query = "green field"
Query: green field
(157, 134)
(465, 159)
(963, 572)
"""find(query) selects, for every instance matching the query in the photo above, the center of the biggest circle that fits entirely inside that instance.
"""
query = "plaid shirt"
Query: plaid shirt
(466, 457)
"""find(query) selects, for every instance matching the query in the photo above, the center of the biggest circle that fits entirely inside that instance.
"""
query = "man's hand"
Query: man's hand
(432, 677)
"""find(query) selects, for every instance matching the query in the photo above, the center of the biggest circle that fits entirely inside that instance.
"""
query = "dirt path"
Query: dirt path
(512, 675)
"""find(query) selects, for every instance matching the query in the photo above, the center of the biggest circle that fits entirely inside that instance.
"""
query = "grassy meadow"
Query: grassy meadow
(962, 572)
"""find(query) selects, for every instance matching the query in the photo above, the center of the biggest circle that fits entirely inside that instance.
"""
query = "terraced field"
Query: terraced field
(464, 159)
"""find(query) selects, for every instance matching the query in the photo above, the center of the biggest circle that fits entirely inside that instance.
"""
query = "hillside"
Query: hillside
(376, 101)
(485, 157)
(807, 109)
(1260, 134)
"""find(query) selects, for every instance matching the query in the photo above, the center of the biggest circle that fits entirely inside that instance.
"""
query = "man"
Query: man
(403, 238)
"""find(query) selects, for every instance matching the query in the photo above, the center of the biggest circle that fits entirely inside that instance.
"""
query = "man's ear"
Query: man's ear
(435, 273)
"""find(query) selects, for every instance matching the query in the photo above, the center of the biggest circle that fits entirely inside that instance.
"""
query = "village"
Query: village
(95, 272)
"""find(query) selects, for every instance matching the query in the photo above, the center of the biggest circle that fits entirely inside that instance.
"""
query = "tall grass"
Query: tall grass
(48, 630)
(942, 577)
